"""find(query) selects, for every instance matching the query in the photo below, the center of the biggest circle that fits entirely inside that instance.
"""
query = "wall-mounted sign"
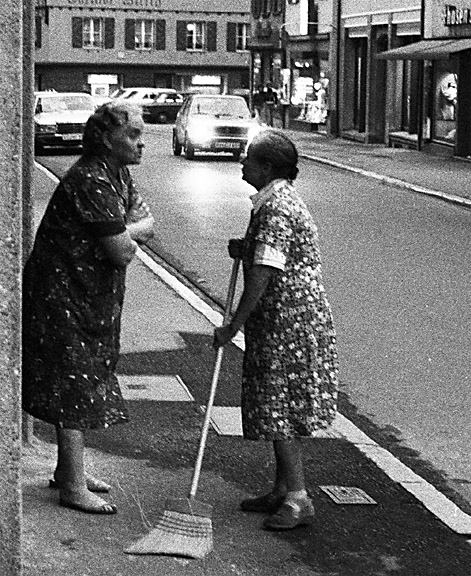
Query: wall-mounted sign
(454, 16)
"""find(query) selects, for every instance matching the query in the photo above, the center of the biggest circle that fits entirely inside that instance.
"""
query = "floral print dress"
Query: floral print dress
(290, 369)
(72, 302)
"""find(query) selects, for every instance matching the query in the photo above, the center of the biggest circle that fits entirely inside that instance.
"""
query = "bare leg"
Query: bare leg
(70, 469)
(289, 466)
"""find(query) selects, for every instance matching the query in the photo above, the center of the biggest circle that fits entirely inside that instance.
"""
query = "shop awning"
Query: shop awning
(427, 50)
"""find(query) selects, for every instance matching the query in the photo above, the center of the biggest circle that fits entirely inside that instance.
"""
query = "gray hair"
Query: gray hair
(275, 148)
(105, 119)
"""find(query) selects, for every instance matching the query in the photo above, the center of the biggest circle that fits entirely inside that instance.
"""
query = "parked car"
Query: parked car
(141, 96)
(163, 109)
(213, 123)
(60, 118)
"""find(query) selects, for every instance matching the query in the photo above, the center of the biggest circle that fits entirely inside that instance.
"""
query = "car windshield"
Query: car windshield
(65, 103)
(220, 108)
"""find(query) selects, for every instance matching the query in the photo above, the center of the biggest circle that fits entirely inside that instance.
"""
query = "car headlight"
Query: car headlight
(253, 131)
(200, 133)
(46, 128)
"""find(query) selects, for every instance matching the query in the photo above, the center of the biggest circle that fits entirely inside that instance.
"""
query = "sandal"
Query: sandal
(290, 516)
(269, 503)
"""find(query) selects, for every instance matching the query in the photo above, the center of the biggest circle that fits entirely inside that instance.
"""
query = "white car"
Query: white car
(60, 118)
(141, 96)
(213, 123)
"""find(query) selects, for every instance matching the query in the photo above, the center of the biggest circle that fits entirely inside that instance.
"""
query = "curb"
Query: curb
(390, 180)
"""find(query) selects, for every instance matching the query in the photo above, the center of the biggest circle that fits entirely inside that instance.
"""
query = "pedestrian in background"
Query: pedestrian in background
(258, 103)
(271, 101)
(290, 367)
(74, 284)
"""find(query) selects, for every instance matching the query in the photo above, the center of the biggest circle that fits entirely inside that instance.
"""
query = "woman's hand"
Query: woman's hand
(222, 336)
(142, 230)
(235, 247)
(138, 211)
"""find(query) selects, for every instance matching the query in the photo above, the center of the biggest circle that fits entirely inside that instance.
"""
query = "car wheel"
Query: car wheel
(162, 118)
(189, 150)
(177, 148)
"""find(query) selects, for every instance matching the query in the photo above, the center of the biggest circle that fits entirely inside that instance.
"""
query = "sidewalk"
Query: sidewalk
(165, 372)
(445, 177)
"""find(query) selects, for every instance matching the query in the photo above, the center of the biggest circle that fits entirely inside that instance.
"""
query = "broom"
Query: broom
(185, 528)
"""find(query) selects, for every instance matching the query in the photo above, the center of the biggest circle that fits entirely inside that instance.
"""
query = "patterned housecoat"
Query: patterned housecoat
(73, 300)
(290, 369)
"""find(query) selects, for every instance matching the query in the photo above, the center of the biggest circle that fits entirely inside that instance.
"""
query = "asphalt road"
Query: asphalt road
(396, 269)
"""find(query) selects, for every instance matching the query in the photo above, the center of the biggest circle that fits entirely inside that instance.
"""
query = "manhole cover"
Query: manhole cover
(347, 495)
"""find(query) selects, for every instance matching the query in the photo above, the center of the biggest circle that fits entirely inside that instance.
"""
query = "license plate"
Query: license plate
(71, 136)
(231, 145)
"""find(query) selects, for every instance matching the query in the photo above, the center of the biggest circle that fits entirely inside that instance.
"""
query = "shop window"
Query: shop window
(196, 36)
(92, 33)
(143, 35)
(445, 83)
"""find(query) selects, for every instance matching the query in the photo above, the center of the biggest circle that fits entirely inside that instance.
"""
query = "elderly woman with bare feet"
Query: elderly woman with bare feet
(290, 368)
(74, 283)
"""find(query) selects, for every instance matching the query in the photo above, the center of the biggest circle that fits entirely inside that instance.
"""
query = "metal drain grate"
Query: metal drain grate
(347, 495)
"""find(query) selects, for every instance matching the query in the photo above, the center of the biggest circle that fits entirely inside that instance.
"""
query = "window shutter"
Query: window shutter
(160, 26)
(77, 33)
(181, 35)
(129, 34)
(38, 40)
(211, 36)
(231, 43)
(109, 33)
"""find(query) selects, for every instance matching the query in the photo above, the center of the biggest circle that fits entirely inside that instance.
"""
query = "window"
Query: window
(143, 34)
(196, 36)
(92, 33)
(241, 36)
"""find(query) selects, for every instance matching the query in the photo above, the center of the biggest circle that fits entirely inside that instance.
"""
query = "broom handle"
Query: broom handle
(212, 393)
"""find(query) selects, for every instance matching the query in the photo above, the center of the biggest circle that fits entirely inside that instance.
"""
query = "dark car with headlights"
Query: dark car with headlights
(164, 108)
(60, 118)
(213, 123)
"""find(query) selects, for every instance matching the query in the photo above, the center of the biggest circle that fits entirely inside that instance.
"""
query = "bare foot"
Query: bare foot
(85, 501)
(93, 484)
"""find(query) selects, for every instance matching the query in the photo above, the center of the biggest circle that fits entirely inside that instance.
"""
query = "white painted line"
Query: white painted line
(156, 388)
(47, 172)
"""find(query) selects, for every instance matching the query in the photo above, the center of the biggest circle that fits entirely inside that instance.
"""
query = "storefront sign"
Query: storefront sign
(454, 16)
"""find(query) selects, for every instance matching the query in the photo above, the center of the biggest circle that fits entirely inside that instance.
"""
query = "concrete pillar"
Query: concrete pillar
(15, 22)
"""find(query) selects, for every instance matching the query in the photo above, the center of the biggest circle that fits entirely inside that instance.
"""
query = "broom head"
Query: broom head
(184, 529)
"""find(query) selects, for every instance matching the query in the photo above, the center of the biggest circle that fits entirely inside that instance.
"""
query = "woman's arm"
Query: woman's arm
(256, 283)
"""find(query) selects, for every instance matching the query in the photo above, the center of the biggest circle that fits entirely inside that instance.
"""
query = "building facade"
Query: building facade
(100, 45)
(444, 55)
(377, 99)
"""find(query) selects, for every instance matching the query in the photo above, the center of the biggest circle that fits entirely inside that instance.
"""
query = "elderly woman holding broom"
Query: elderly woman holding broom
(290, 367)
(73, 296)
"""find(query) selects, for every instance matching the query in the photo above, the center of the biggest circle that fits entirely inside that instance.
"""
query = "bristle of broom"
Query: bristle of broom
(177, 534)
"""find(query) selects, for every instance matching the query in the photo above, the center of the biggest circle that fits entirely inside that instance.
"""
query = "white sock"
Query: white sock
(295, 497)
